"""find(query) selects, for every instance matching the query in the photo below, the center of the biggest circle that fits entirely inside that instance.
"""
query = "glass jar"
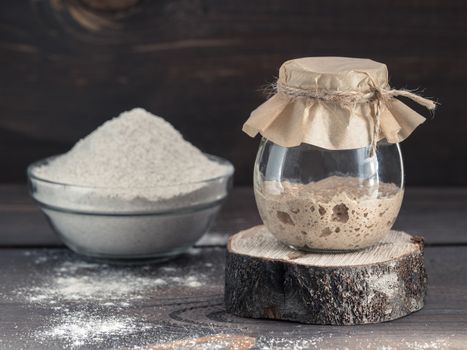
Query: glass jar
(316, 199)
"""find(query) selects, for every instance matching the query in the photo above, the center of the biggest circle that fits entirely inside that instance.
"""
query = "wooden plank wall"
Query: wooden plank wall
(67, 66)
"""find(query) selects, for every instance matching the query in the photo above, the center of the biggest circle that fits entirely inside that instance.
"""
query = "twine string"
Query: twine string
(349, 98)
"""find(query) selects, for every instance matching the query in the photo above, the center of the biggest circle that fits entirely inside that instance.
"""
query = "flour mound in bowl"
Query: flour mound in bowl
(135, 156)
(135, 149)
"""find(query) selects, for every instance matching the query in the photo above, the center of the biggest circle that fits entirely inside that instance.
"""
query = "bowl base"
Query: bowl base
(129, 259)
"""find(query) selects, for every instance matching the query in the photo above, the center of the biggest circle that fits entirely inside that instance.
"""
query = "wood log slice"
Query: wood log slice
(266, 279)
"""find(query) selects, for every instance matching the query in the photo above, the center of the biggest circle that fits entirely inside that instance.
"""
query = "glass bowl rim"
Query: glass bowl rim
(31, 176)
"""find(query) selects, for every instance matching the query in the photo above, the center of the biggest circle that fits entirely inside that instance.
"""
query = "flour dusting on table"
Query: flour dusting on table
(79, 328)
(91, 304)
(83, 281)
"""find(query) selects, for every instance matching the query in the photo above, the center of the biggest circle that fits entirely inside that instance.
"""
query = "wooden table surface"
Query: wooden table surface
(51, 298)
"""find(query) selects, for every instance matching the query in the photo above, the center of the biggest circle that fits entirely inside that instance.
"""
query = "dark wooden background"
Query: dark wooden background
(67, 66)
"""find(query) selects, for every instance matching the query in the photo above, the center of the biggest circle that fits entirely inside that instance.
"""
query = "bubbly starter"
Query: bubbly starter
(336, 213)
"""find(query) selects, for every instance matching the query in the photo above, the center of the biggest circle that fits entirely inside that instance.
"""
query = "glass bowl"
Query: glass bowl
(114, 223)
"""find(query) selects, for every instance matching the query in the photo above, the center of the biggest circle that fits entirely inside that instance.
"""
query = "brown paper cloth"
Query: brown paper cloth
(335, 103)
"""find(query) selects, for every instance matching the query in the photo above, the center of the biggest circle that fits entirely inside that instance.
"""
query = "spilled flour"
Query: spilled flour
(107, 285)
(79, 328)
(266, 343)
(91, 303)
(82, 281)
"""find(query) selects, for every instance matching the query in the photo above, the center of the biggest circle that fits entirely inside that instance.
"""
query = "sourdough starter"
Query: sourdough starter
(336, 213)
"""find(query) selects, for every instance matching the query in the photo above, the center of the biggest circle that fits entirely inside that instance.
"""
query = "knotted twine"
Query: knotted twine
(349, 98)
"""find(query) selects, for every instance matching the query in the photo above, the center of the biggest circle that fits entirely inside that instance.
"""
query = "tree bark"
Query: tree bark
(266, 279)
